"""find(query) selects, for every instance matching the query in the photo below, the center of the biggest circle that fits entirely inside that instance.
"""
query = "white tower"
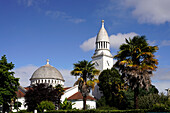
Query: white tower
(102, 57)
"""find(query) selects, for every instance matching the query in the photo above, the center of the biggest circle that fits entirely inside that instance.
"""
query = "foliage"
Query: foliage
(101, 102)
(87, 72)
(45, 105)
(42, 92)
(66, 105)
(9, 84)
(136, 61)
(147, 101)
(112, 86)
(154, 101)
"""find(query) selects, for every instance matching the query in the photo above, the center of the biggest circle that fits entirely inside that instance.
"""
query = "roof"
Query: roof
(67, 88)
(20, 94)
(102, 34)
(47, 72)
(78, 96)
(21, 91)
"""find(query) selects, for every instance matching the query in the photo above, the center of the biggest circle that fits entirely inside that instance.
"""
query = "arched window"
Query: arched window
(45, 81)
(48, 81)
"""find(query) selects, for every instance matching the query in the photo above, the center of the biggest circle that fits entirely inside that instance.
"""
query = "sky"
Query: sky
(64, 32)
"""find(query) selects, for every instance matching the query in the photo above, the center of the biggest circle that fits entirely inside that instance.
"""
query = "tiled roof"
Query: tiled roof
(78, 96)
(67, 88)
(20, 94)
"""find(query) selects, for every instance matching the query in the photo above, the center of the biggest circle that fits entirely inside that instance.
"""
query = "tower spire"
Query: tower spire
(48, 61)
(102, 23)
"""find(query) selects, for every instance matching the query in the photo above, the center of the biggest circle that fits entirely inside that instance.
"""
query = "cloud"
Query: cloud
(30, 3)
(63, 15)
(115, 41)
(165, 43)
(69, 79)
(25, 73)
(162, 74)
(88, 44)
(149, 11)
(161, 79)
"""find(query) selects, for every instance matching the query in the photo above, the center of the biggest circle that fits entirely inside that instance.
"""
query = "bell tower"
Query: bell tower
(102, 57)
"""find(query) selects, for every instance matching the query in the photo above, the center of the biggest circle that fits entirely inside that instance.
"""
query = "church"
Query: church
(102, 58)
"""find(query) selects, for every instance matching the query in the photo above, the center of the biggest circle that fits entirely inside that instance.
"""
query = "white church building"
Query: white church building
(102, 58)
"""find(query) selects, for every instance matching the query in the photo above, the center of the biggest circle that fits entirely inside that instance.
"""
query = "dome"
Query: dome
(47, 72)
(102, 35)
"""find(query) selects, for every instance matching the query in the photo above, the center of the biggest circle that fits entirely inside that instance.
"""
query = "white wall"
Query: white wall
(79, 104)
(22, 100)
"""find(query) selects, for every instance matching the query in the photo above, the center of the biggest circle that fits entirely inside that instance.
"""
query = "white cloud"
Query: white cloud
(25, 73)
(149, 11)
(69, 79)
(161, 79)
(63, 15)
(30, 3)
(161, 86)
(162, 74)
(165, 43)
(88, 44)
(115, 41)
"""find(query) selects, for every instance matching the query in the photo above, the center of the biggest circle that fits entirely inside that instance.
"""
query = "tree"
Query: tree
(112, 87)
(87, 72)
(45, 105)
(42, 92)
(136, 61)
(9, 84)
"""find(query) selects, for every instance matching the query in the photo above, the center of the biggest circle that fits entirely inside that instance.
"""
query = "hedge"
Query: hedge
(99, 111)
(103, 111)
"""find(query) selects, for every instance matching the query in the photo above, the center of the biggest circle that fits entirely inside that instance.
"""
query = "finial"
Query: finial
(48, 61)
(102, 23)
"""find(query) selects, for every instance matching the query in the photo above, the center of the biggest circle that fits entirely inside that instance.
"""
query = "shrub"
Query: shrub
(48, 105)
(66, 105)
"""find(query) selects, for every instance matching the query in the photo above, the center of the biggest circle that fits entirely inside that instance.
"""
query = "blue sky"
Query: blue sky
(64, 31)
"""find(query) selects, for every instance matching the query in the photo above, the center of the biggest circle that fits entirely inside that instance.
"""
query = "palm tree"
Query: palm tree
(136, 61)
(87, 72)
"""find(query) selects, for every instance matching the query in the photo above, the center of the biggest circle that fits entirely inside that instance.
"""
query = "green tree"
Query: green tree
(136, 61)
(87, 72)
(42, 92)
(112, 87)
(9, 84)
(45, 105)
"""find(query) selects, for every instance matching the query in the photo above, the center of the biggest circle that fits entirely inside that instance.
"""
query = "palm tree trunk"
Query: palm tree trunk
(136, 93)
(84, 102)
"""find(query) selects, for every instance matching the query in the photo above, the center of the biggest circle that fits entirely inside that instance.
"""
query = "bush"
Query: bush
(66, 105)
(147, 101)
(48, 105)
(159, 107)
